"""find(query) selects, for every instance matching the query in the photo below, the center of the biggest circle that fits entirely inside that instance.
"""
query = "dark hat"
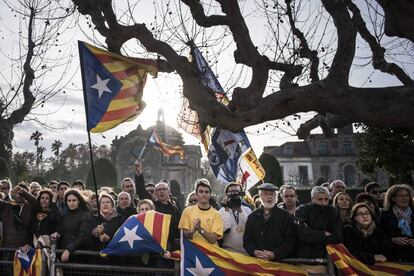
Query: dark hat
(268, 187)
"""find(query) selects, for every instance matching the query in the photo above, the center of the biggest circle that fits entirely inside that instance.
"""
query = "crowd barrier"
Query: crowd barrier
(88, 269)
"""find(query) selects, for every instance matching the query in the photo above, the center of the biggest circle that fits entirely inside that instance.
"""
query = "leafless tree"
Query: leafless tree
(28, 63)
(307, 53)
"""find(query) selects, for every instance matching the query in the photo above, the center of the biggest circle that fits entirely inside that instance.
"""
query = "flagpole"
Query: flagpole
(87, 125)
(145, 145)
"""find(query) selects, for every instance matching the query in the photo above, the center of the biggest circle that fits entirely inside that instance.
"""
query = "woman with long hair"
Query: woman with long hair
(397, 221)
(45, 219)
(72, 230)
(343, 204)
(363, 238)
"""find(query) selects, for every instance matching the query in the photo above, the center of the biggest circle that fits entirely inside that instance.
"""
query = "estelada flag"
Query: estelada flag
(112, 86)
(132, 238)
(350, 265)
(158, 225)
(198, 257)
(28, 264)
(166, 149)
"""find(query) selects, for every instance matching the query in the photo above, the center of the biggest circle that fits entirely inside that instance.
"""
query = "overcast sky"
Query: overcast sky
(65, 114)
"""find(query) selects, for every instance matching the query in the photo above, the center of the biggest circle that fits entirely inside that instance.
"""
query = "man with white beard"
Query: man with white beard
(270, 233)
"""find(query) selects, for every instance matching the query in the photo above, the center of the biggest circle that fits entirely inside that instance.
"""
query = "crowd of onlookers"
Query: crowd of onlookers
(375, 226)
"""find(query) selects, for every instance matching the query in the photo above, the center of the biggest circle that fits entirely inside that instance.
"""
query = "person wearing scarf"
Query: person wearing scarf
(397, 221)
(104, 226)
(363, 238)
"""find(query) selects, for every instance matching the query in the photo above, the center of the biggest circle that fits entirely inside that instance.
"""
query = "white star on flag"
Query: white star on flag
(101, 86)
(199, 270)
(130, 236)
(23, 256)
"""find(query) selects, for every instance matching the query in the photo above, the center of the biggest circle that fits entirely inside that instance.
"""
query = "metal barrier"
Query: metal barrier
(330, 268)
(85, 268)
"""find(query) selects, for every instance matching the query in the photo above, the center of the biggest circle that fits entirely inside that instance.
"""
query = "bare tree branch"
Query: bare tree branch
(332, 97)
(346, 32)
(378, 59)
(304, 51)
(399, 19)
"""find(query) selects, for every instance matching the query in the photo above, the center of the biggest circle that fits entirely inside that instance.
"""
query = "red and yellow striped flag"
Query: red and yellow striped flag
(158, 225)
(232, 263)
(351, 266)
(166, 149)
(113, 86)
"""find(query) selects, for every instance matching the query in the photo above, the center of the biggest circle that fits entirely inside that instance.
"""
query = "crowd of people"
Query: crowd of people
(376, 226)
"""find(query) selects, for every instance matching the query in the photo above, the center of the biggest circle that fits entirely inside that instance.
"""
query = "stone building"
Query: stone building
(156, 166)
(304, 162)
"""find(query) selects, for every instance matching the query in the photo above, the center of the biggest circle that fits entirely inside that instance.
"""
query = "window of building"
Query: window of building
(303, 175)
(325, 172)
(350, 175)
(323, 148)
(289, 150)
(282, 173)
(347, 147)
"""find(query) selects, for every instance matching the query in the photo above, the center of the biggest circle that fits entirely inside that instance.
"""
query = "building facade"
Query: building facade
(319, 157)
(156, 166)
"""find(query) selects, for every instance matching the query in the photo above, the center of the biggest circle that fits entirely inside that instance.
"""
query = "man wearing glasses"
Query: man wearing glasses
(234, 216)
(374, 189)
(201, 221)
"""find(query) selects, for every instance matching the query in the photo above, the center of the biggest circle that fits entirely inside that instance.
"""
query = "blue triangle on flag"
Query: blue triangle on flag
(195, 262)
(132, 238)
(26, 259)
(100, 85)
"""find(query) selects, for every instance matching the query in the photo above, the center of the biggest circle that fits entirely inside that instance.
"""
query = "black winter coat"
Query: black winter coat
(389, 224)
(364, 248)
(17, 219)
(110, 228)
(126, 212)
(312, 221)
(73, 230)
(48, 224)
(277, 234)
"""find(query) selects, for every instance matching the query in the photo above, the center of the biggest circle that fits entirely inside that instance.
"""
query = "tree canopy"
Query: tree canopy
(389, 149)
(307, 53)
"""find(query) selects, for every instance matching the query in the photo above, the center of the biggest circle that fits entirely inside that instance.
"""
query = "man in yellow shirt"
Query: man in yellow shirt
(201, 221)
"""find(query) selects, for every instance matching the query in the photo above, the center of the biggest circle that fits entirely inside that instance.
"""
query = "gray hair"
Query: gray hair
(319, 190)
(124, 193)
(334, 182)
(161, 183)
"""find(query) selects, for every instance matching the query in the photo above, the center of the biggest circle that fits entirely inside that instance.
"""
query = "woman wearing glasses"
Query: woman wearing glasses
(397, 221)
(363, 238)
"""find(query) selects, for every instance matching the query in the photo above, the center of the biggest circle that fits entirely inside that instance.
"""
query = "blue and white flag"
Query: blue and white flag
(194, 262)
(224, 153)
(227, 148)
(132, 238)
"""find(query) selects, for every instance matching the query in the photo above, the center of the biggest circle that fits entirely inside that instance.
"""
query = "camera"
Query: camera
(234, 200)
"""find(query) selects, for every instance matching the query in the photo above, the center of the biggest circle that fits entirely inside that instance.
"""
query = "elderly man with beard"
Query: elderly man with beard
(317, 224)
(270, 233)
